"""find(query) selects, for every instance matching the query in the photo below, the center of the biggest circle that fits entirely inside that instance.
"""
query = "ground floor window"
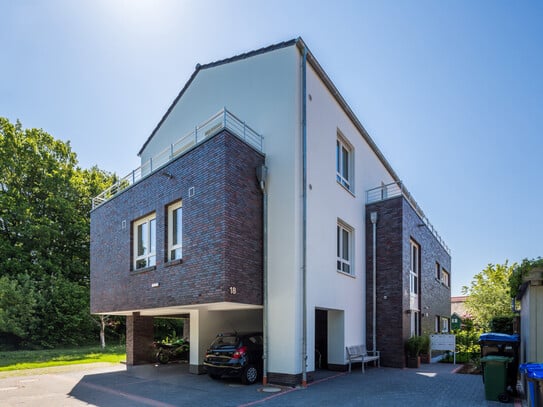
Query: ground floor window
(344, 248)
(415, 323)
(445, 325)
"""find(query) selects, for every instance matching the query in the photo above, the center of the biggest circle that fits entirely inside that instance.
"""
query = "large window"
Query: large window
(145, 242)
(344, 249)
(344, 163)
(414, 268)
(175, 231)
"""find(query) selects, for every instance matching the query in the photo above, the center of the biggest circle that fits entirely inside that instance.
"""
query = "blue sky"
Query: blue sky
(451, 92)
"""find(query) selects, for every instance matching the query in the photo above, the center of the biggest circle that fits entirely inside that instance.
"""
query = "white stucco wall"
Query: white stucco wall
(264, 91)
(327, 202)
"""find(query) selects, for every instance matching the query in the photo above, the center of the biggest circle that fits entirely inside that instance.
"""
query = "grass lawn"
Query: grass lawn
(31, 359)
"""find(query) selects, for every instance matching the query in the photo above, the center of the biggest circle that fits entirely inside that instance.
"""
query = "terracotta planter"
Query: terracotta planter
(413, 362)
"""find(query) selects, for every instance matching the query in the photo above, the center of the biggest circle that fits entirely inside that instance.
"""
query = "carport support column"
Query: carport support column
(139, 339)
(204, 327)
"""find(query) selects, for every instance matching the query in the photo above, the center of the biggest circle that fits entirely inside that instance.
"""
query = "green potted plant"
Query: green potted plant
(413, 347)
(425, 349)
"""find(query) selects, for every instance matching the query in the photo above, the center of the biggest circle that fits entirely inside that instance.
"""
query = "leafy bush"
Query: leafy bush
(502, 325)
(414, 346)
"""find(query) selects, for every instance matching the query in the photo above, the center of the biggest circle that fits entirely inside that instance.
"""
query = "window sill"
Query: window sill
(143, 270)
(346, 189)
(345, 274)
(173, 263)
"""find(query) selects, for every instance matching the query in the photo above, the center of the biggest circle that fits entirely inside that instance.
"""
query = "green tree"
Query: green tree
(45, 202)
(521, 271)
(489, 294)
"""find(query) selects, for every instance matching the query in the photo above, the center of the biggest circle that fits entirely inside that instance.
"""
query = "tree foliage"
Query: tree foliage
(45, 202)
(489, 294)
(521, 271)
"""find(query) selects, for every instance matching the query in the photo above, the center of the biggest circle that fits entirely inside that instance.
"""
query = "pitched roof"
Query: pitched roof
(199, 67)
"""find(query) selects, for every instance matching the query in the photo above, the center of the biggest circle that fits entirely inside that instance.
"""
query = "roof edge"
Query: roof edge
(199, 67)
(345, 106)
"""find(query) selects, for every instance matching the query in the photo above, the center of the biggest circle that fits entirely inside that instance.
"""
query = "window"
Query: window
(344, 249)
(175, 231)
(437, 327)
(444, 325)
(415, 323)
(445, 278)
(145, 242)
(438, 271)
(414, 268)
(344, 164)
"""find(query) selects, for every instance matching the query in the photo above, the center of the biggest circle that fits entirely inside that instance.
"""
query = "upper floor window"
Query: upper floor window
(344, 249)
(145, 242)
(438, 271)
(445, 277)
(175, 231)
(414, 268)
(344, 163)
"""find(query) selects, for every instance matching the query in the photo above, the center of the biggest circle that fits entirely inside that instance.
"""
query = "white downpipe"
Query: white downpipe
(304, 219)
(262, 174)
(373, 217)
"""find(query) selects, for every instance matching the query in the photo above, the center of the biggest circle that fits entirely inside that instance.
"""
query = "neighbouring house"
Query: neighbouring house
(262, 203)
(456, 321)
(458, 306)
(530, 297)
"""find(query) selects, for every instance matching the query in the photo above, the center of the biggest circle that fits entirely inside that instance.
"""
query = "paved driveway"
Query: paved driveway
(172, 385)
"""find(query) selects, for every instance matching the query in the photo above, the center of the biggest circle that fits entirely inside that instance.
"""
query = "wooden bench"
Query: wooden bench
(358, 353)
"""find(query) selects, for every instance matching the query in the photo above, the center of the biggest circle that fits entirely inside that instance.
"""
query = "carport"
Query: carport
(205, 321)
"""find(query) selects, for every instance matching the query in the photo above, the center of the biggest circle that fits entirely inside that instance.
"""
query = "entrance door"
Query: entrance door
(321, 339)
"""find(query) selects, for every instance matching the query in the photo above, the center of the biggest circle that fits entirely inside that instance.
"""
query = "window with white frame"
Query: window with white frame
(415, 323)
(444, 325)
(344, 248)
(145, 242)
(344, 163)
(175, 231)
(445, 277)
(414, 268)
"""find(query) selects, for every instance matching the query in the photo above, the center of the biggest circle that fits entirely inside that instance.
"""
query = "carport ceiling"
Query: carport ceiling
(179, 310)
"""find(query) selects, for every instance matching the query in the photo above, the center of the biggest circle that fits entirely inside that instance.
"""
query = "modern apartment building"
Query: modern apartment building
(261, 203)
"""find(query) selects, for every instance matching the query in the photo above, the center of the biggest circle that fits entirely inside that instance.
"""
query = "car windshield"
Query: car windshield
(225, 341)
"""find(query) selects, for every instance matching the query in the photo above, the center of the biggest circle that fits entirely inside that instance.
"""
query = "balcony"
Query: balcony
(222, 120)
(398, 189)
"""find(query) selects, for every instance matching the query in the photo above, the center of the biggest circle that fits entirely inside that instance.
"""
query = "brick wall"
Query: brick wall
(398, 223)
(222, 233)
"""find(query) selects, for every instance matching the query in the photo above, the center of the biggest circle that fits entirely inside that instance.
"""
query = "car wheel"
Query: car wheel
(250, 374)
(215, 376)
(162, 357)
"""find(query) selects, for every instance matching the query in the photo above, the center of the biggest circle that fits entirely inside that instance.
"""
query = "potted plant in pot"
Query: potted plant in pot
(425, 349)
(413, 347)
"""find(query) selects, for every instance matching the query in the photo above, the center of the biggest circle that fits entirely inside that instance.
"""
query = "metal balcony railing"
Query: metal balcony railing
(222, 120)
(398, 189)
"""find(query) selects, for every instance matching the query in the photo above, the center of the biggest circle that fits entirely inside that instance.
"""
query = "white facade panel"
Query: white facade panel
(328, 202)
(263, 90)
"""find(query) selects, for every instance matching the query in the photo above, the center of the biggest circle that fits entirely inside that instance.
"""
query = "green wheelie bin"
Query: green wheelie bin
(495, 377)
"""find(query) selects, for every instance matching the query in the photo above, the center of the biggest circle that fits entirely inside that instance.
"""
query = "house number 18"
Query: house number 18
(233, 290)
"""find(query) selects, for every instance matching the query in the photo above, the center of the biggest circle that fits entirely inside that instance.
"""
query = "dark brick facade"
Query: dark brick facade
(397, 224)
(222, 233)
(139, 339)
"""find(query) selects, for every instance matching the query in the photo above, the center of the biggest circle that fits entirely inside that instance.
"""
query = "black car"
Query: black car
(235, 355)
